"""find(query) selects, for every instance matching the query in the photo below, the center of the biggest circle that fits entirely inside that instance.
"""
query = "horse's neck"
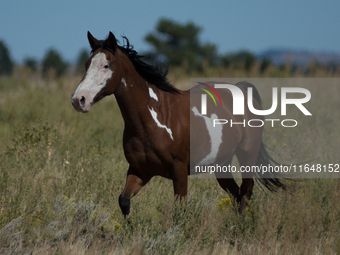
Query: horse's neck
(133, 98)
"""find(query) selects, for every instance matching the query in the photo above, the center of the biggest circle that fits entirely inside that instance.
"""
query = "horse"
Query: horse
(157, 115)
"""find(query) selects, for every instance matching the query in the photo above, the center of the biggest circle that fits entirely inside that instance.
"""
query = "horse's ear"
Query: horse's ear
(93, 41)
(112, 42)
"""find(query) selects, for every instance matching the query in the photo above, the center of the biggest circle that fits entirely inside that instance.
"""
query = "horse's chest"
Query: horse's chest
(146, 156)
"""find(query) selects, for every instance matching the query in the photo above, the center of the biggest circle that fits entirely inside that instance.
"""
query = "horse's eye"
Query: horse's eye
(106, 66)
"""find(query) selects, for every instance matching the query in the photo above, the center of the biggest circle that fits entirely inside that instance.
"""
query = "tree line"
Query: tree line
(172, 44)
(52, 60)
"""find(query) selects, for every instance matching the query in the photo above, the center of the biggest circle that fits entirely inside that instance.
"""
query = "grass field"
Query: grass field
(61, 173)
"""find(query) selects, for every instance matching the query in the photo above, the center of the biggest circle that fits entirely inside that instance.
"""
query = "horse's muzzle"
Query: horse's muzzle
(79, 103)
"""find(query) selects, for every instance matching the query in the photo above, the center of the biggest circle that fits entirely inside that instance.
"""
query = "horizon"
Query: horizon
(29, 29)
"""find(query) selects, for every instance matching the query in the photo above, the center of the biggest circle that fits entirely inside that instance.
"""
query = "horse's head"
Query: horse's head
(102, 76)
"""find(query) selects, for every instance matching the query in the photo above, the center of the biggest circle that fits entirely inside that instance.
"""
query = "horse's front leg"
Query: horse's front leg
(133, 184)
(180, 179)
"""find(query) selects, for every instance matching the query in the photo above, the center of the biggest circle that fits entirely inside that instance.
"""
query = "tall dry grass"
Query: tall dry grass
(61, 173)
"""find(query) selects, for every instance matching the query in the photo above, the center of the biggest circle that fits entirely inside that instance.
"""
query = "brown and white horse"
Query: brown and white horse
(157, 116)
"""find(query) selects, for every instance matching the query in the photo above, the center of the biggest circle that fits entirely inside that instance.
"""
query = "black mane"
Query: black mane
(152, 74)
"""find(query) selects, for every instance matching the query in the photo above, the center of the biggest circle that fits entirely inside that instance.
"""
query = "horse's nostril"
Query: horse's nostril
(82, 101)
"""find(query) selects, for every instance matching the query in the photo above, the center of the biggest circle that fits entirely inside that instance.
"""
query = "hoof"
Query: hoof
(124, 204)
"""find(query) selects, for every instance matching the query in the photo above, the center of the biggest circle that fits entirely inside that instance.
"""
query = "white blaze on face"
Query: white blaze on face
(95, 79)
(154, 116)
(215, 134)
(153, 94)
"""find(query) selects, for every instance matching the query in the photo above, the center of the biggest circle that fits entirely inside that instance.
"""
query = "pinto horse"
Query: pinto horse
(157, 117)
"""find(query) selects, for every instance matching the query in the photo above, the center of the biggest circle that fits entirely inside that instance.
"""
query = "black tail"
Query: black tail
(268, 179)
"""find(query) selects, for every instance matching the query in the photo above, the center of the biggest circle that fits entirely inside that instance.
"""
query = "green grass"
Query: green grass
(61, 173)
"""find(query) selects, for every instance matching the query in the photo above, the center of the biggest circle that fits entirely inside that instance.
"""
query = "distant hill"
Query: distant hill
(281, 56)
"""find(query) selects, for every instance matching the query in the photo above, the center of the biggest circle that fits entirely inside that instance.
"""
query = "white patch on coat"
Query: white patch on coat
(215, 134)
(153, 94)
(154, 116)
(124, 82)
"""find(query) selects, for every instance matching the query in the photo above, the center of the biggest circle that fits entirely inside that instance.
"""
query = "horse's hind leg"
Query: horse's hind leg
(246, 190)
(133, 184)
(227, 182)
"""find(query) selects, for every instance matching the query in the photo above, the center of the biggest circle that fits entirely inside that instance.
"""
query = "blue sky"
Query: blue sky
(29, 28)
